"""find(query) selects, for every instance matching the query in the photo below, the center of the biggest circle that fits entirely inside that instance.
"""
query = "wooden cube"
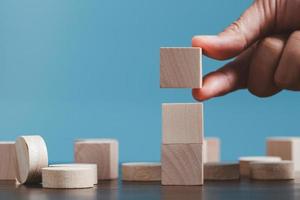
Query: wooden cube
(182, 123)
(8, 160)
(182, 164)
(211, 149)
(103, 152)
(180, 67)
(288, 148)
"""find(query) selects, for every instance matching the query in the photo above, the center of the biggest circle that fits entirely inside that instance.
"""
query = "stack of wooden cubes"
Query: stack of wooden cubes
(182, 123)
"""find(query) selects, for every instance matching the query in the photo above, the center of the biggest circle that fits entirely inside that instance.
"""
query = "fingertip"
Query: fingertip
(197, 94)
(201, 94)
(214, 85)
(220, 46)
(202, 41)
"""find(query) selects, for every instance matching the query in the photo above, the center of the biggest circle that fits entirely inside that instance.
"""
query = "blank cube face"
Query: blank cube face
(8, 161)
(288, 148)
(180, 68)
(104, 155)
(211, 148)
(282, 149)
(182, 123)
(182, 164)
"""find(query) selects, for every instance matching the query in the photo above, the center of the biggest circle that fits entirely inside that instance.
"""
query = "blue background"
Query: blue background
(85, 69)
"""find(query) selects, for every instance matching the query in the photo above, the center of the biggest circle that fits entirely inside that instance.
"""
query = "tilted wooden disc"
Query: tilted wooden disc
(280, 170)
(141, 171)
(68, 177)
(32, 156)
(246, 160)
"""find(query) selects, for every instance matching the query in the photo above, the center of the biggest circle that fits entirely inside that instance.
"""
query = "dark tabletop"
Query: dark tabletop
(244, 189)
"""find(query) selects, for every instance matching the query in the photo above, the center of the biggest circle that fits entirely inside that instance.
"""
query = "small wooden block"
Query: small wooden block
(182, 164)
(180, 67)
(68, 177)
(245, 162)
(288, 148)
(103, 152)
(32, 156)
(211, 148)
(280, 170)
(7, 160)
(221, 171)
(141, 171)
(80, 165)
(182, 123)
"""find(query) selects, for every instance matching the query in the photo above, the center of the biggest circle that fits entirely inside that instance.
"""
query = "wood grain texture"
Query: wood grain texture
(80, 165)
(103, 152)
(182, 164)
(211, 149)
(8, 160)
(288, 148)
(182, 123)
(141, 171)
(180, 67)
(32, 156)
(280, 170)
(68, 177)
(245, 162)
(218, 171)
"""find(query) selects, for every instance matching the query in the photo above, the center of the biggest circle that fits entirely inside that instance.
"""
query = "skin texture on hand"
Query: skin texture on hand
(265, 42)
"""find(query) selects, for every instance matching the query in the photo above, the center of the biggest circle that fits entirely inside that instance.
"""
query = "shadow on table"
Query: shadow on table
(114, 190)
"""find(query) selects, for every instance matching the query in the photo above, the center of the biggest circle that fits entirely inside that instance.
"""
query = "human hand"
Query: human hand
(266, 43)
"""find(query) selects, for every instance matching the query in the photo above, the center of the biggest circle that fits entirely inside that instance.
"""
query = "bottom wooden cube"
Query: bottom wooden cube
(182, 164)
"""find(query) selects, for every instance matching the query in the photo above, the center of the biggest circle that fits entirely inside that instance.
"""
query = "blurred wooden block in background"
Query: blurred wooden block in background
(288, 148)
(180, 67)
(182, 164)
(8, 160)
(141, 171)
(219, 171)
(182, 123)
(103, 152)
(211, 149)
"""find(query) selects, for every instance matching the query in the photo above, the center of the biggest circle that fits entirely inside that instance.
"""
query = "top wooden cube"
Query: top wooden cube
(180, 67)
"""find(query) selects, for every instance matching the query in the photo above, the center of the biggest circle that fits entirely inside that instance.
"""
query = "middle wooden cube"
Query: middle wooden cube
(182, 123)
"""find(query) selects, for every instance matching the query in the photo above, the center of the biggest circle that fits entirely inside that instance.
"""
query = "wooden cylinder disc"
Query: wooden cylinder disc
(245, 163)
(280, 170)
(32, 156)
(68, 177)
(92, 166)
(221, 171)
(141, 171)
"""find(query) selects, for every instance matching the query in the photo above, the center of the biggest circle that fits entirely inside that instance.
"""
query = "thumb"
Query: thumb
(253, 24)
